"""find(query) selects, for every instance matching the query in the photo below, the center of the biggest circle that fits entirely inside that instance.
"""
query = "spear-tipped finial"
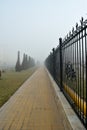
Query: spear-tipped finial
(69, 33)
(67, 36)
(81, 21)
(72, 30)
(76, 26)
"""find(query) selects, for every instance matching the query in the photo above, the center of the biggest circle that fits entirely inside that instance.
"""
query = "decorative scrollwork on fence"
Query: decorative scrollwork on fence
(70, 72)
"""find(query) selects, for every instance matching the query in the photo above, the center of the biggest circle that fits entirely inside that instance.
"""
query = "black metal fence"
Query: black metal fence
(68, 66)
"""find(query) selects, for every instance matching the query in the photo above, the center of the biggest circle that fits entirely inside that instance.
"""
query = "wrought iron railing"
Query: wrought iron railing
(68, 65)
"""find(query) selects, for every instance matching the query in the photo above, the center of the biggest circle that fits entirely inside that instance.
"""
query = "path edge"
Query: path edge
(71, 116)
(17, 91)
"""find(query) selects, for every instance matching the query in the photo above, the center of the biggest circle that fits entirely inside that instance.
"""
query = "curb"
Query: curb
(71, 116)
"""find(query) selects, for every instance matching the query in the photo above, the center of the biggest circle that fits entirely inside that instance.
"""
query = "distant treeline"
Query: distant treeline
(26, 63)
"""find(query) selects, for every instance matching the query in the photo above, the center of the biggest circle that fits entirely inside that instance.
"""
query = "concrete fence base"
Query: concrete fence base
(69, 112)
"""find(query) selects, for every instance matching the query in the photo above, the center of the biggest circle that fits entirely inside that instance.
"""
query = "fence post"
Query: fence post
(86, 88)
(61, 65)
(53, 63)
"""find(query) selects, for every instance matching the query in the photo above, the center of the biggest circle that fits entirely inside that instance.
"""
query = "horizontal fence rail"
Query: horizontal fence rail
(68, 66)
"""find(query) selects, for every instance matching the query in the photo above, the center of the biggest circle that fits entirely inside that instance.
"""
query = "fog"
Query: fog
(34, 27)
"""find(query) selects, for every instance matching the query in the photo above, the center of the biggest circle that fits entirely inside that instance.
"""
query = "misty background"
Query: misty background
(34, 26)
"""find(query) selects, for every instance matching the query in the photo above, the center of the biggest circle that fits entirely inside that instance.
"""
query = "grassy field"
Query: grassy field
(11, 81)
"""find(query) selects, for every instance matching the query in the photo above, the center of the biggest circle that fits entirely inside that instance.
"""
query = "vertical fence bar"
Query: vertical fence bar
(61, 65)
(86, 71)
(76, 68)
(86, 88)
(78, 61)
(80, 73)
(83, 73)
(54, 63)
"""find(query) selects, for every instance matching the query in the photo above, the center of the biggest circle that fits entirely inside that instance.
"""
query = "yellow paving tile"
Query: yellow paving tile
(33, 107)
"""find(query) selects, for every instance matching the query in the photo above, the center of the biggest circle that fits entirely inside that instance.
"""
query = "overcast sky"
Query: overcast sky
(34, 26)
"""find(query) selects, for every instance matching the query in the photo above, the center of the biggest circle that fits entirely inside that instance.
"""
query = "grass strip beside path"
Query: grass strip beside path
(11, 81)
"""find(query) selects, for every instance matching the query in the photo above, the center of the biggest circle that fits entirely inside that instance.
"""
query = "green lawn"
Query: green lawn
(11, 81)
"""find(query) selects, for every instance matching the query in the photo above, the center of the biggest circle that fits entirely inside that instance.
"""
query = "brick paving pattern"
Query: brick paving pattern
(33, 107)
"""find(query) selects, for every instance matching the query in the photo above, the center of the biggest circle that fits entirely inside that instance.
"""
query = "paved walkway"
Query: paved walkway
(33, 107)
